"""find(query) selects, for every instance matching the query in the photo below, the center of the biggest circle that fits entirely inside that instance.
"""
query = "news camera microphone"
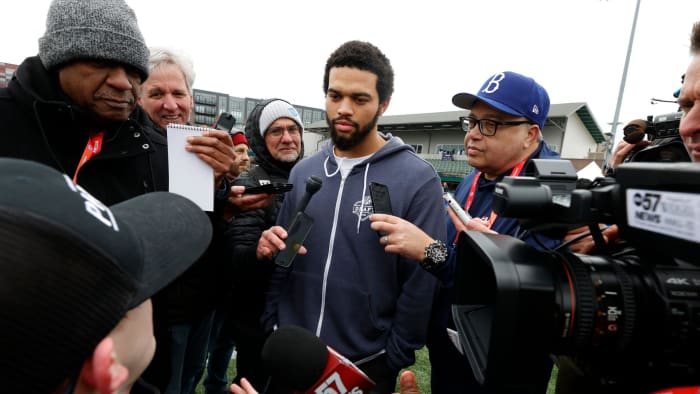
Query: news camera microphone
(313, 184)
(635, 130)
(302, 362)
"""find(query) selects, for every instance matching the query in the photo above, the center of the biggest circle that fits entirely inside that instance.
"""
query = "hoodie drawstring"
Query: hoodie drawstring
(325, 167)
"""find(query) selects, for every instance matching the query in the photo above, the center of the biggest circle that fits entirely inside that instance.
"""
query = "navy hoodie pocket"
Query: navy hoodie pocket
(350, 321)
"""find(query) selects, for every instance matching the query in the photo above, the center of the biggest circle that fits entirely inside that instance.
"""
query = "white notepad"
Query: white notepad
(189, 176)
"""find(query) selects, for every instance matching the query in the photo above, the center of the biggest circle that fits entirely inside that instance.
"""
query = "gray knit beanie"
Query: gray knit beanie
(278, 109)
(93, 29)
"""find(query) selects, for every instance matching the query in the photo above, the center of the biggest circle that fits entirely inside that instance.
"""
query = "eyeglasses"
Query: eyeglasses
(277, 132)
(487, 127)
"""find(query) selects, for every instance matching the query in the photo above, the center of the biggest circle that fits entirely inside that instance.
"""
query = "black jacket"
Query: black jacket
(40, 123)
(250, 275)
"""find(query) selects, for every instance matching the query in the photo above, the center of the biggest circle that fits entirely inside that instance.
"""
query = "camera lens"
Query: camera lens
(627, 324)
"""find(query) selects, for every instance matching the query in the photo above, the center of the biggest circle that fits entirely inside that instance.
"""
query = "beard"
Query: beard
(344, 143)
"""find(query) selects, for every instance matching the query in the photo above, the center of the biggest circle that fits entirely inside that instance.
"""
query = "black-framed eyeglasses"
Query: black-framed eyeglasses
(277, 132)
(487, 127)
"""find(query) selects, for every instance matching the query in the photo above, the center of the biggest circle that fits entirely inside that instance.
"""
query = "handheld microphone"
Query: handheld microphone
(301, 361)
(313, 184)
(299, 227)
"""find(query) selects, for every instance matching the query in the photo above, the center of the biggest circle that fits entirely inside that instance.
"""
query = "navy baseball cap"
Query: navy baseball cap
(511, 93)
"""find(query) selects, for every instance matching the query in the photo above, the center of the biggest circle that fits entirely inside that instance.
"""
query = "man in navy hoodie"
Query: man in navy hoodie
(371, 306)
(502, 132)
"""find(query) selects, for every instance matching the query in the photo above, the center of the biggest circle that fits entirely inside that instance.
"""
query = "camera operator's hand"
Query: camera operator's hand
(586, 245)
(622, 149)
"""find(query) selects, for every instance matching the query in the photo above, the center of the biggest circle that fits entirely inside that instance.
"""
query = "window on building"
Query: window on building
(204, 120)
(417, 147)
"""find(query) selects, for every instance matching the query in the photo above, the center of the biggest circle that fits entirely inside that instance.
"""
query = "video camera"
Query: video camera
(662, 130)
(626, 320)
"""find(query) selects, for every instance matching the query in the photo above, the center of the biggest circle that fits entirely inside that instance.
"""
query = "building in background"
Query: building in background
(570, 129)
(6, 72)
(208, 105)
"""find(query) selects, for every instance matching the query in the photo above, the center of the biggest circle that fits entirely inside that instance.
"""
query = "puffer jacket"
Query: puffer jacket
(250, 275)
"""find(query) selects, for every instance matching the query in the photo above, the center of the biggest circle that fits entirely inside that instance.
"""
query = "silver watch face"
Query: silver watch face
(435, 254)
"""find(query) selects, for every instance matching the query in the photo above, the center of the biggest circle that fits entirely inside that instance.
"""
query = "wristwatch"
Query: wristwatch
(435, 255)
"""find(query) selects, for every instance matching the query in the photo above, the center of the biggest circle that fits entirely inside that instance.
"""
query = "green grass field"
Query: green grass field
(421, 368)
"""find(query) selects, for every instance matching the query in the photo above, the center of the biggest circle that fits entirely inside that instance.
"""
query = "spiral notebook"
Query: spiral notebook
(189, 176)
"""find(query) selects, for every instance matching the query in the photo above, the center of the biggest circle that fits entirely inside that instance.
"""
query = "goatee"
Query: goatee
(345, 143)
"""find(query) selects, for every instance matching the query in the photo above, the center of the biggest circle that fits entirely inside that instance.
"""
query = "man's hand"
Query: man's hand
(215, 148)
(272, 240)
(402, 237)
(586, 245)
(474, 224)
(622, 149)
(407, 383)
(245, 202)
(244, 388)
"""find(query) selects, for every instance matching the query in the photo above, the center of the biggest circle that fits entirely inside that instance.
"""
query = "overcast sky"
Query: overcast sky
(575, 48)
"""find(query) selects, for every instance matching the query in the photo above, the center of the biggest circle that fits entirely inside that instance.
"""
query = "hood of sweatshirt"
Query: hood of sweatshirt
(263, 157)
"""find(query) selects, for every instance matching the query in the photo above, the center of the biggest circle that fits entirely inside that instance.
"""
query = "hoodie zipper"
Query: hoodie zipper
(327, 265)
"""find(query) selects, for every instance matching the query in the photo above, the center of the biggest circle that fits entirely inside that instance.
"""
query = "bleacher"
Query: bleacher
(451, 170)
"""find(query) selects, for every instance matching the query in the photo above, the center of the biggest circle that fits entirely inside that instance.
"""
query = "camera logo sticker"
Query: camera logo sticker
(668, 213)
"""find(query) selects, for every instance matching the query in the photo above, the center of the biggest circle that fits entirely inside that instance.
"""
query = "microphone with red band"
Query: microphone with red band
(301, 361)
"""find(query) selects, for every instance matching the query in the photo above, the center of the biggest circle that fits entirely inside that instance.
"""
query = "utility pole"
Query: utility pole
(622, 85)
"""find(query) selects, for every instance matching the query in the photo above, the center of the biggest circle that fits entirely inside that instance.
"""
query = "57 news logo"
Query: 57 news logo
(675, 214)
(646, 205)
(334, 385)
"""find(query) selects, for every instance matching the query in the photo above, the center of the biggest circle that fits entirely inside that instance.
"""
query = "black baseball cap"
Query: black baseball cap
(71, 267)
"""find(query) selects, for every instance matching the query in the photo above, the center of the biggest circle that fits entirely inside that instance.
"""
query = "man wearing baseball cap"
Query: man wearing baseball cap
(77, 278)
(503, 130)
